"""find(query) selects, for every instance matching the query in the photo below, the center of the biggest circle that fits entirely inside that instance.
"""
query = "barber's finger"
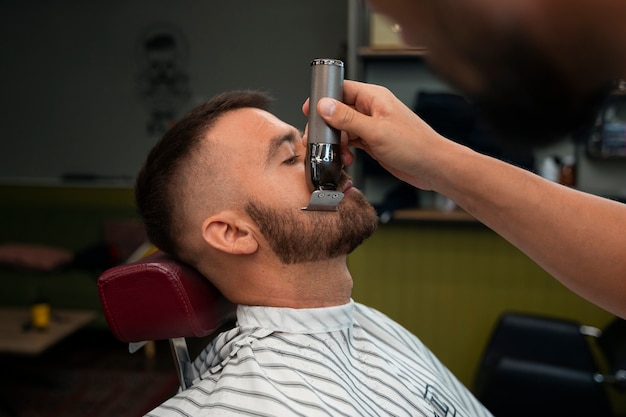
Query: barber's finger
(305, 107)
(305, 135)
(352, 90)
(347, 157)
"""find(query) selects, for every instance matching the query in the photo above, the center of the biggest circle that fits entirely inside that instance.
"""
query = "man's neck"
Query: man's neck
(306, 285)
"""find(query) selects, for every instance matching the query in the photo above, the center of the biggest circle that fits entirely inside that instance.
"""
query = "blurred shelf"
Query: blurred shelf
(391, 53)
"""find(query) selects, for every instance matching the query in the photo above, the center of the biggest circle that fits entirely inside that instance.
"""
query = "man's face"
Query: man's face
(265, 158)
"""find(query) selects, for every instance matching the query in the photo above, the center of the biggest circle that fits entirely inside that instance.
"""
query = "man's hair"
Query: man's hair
(159, 183)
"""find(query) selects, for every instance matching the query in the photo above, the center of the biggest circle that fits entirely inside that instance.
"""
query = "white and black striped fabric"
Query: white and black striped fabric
(348, 360)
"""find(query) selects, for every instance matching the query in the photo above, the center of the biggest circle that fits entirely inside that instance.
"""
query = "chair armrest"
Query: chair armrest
(159, 297)
(516, 387)
(542, 339)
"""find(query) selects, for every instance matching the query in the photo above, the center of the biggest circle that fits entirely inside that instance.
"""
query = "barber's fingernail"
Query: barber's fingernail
(326, 107)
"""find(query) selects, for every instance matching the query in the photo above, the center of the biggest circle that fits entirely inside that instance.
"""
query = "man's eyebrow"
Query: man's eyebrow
(277, 142)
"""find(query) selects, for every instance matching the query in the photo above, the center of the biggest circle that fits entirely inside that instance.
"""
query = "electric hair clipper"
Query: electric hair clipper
(323, 157)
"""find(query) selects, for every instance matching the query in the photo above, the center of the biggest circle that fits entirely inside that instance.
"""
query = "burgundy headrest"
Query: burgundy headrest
(160, 298)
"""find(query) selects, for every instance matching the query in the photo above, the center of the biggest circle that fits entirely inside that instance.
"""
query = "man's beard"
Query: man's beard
(309, 236)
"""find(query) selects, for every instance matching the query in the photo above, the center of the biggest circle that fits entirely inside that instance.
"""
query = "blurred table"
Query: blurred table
(17, 337)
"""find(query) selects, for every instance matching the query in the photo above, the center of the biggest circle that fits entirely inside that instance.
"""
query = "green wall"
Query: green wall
(67, 217)
(448, 283)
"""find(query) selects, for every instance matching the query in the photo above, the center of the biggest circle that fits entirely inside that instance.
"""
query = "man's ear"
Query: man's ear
(229, 233)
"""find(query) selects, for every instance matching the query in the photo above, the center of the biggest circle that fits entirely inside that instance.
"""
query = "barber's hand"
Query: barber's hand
(379, 123)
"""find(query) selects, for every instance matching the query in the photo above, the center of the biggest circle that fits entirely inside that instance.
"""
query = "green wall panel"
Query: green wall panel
(449, 282)
(69, 217)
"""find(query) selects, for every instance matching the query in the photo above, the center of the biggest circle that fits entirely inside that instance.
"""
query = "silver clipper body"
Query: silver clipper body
(323, 159)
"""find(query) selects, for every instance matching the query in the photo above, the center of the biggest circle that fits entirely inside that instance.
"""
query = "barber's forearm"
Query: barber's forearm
(578, 238)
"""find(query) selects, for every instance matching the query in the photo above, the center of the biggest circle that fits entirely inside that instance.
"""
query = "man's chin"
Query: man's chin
(354, 199)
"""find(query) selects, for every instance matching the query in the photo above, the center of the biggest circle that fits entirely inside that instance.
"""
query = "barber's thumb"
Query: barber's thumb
(338, 115)
(326, 107)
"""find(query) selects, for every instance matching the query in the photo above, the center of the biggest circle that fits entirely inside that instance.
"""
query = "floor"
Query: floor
(88, 349)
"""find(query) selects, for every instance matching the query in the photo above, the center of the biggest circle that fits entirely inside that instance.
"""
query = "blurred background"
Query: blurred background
(89, 87)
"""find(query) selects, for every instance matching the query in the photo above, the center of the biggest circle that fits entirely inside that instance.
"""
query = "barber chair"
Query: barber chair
(159, 298)
(541, 366)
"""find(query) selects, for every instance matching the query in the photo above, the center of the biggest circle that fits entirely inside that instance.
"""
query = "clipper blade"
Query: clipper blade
(324, 200)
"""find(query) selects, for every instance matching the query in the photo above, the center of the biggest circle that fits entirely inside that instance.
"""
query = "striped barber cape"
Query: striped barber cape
(348, 360)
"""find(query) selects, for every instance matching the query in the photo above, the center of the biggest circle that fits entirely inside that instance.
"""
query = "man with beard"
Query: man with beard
(223, 191)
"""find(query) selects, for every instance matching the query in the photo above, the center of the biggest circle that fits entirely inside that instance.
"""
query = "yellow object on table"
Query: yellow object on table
(40, 315)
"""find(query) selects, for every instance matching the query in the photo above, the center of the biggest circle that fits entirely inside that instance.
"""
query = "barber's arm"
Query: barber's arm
(578, 238)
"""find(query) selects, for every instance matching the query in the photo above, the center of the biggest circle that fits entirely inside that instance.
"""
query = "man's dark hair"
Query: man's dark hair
(156, 192)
